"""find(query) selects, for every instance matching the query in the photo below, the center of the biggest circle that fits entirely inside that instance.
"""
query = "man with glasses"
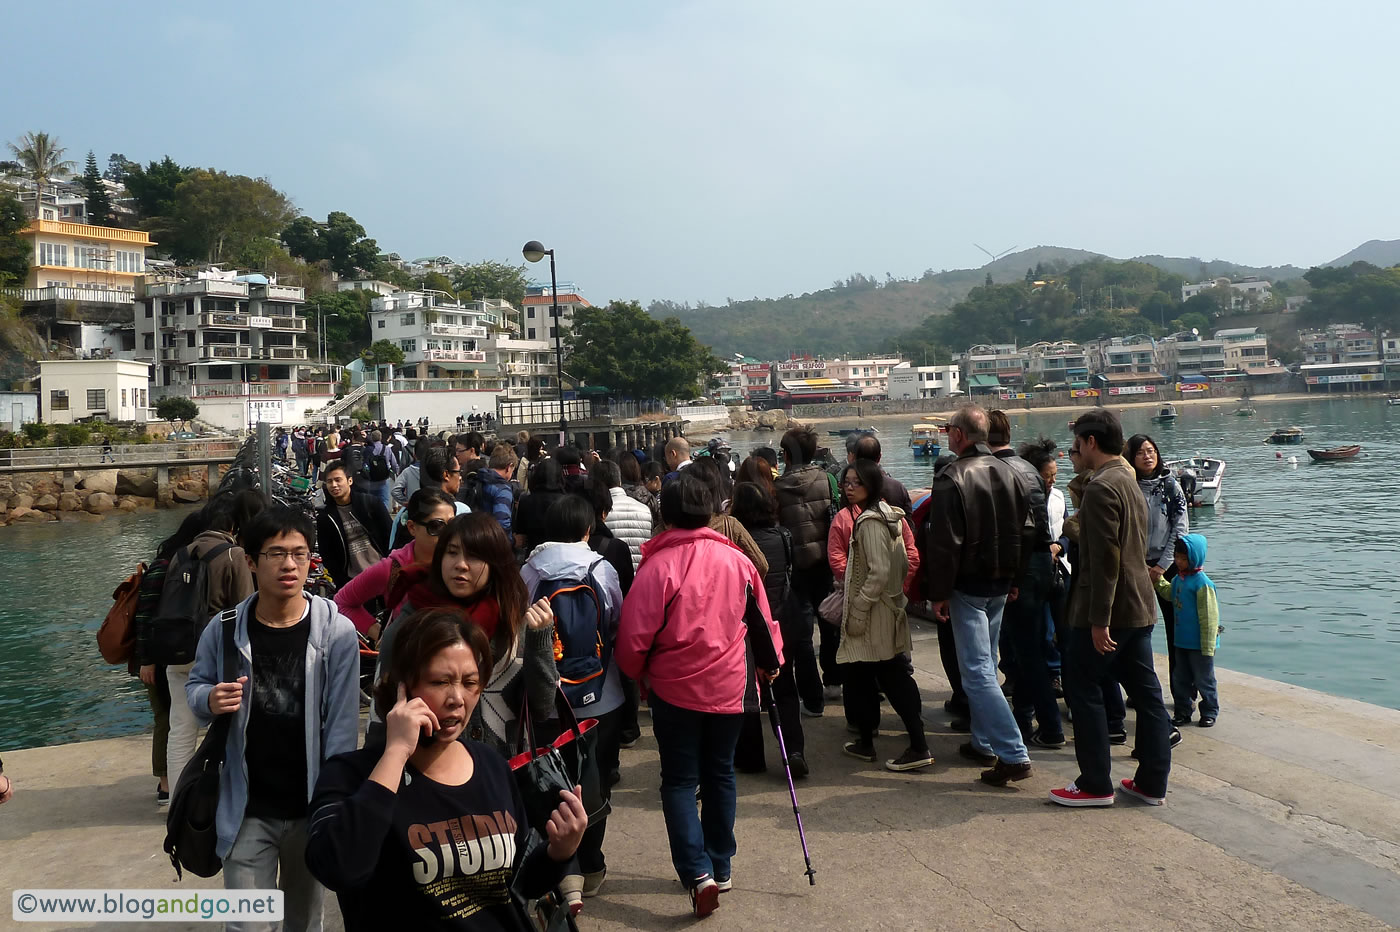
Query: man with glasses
(1111, 615)
(295, 702)
(978, 510)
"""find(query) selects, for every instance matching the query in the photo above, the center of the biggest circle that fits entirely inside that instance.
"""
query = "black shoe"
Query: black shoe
(1181, 718)
(1207, 721)
(957, 710)
(1042, 740)
(865, 752)
(797, 763)
(1003, 773)
(629, 740)
(971, 753)
(1173, 740)
(614, 778)
(1117, 738)
(960, 724)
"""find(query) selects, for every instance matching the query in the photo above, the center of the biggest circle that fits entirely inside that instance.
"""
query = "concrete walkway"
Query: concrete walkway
(1286, 815)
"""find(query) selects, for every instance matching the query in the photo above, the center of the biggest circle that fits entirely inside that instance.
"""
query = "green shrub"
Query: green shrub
(9, 441)
(71, 435)
(361, 415)
(36, 432)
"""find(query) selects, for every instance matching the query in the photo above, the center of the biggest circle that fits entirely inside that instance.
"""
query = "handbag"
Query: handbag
(116, 639)
(190, 834)
(830, 607)
(570, 760)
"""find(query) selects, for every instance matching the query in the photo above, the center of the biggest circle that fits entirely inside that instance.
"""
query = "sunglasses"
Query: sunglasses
(434, 527)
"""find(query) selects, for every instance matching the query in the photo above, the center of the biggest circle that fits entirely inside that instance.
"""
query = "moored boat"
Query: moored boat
(1336, 453)
(1285, 435)
(1202, 479)
(1392, 399)
(1166, 414)
(847, 431)
(924, 440)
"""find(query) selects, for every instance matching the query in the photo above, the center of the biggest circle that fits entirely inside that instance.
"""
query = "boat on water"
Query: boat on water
(847, 431)
(1166, 414)
(1245, 410)
(924, 440)
(1392, 399)
(1348, 452)
(1285, 435)
(1202, 479)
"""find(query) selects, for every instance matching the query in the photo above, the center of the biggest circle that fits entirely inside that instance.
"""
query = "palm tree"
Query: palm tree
(41, 158)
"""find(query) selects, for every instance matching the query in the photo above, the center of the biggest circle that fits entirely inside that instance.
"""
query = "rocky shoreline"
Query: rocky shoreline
(41, 497)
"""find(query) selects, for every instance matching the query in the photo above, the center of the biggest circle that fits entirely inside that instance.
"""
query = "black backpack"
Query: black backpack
(581, 652)
(473, 492)
(378, 466)
(184, 608)
(191, 837)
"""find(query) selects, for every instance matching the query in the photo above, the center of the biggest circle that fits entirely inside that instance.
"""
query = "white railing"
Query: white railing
(284, 292)
(454, 355)
(457, 330)
(436, 385)
(35, 458)
(286, 352)
(224, 351)
(67, 293)
(288, 323)
(203, 286)
(222, 319)
(532, 346)
(345, 403)
(703, 412)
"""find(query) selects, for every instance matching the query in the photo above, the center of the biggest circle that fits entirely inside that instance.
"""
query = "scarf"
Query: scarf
(413, 585)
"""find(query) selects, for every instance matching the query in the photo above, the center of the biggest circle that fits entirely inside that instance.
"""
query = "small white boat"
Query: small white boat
(1202, 478)
(1392, 399)
(1166, 414)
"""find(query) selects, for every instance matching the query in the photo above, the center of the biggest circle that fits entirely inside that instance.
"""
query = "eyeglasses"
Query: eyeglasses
(435, 527)
(852, 484)
(1074, 451)
(300, 557)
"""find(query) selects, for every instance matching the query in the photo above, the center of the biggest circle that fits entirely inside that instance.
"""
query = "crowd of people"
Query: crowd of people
(481, 585)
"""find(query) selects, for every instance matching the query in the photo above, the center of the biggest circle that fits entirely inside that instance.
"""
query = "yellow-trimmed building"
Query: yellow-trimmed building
(78, 255)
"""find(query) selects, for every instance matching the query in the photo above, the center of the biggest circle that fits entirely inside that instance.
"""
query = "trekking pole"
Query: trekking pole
(792, 787)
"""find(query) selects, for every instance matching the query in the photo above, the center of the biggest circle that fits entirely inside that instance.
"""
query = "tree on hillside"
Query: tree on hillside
(215, 215)
(341, 241)
(490, 279)
(116, 167)
(435, 281)
(14, 250)
(41, 158)
(152, 188)
(347, 333)
(1362, 294)
(99, 204)
(624, 348)
(173, 408)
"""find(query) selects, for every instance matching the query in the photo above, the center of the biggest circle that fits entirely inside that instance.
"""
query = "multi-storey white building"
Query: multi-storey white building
(1246, 349)
(908, 381)
(539, 305)
(1337, 344)
(234, 343)
(1186, 353)
(1060, 363)
(1242, 288)
(989, 366)
(1120, 355)
(871, 374)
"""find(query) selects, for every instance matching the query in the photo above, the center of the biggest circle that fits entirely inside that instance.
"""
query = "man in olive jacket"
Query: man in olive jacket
(1111, 614)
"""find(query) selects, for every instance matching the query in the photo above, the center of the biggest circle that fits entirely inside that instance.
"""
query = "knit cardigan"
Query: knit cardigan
(874, 625)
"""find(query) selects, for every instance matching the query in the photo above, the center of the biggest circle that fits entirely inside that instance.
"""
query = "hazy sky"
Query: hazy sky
(705, 150)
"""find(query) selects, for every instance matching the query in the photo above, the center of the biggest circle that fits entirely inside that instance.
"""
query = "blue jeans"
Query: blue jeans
(271, 854)
(1194, 673)
(697, 749)
(976, 621)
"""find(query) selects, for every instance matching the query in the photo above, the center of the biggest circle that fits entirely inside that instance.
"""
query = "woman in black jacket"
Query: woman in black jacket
(757, 510)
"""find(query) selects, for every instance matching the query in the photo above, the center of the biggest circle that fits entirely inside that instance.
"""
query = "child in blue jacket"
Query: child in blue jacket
(1197, 632)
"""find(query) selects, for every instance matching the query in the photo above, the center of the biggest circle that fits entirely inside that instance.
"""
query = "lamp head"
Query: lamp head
(534, 251)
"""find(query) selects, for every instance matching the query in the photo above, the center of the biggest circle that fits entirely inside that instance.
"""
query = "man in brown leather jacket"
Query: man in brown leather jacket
(978, 508)
(1111, 615)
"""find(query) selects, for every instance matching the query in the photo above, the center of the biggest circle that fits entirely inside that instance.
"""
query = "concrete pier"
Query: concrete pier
(1284, 816)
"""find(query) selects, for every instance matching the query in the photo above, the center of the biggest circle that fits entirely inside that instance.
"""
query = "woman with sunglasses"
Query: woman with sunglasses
(875, 641)
(428, 513)
(473, 573)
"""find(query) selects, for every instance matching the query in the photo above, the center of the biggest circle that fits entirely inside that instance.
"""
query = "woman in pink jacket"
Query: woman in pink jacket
(682, 637)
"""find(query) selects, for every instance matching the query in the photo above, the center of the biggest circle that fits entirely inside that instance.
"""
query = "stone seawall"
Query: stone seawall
(88, 495)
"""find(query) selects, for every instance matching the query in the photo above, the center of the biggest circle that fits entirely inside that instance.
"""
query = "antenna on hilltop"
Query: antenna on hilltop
(998, 255)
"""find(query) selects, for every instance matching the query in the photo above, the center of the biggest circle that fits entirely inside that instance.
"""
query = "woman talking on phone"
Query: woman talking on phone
(428, 831)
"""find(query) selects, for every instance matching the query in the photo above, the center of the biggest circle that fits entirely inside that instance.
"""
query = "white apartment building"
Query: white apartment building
(1338, 343)
(989, 366)
(1187, 353)
(1246, 349)
(235, 343)
(1246, 286)
(74, 390)
(1121, 355)
(906, 381)
(538, 306)
(870, 375)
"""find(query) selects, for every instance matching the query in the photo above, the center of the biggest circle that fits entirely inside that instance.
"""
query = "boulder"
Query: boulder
(44, 485)
(773, 420)
(69, 501)
(135, 482)
(46, 503)
(99, 503)
(103, 481)
(125, 504)
(84, 516)
(21, 500)
(29, 516)
(187, 495)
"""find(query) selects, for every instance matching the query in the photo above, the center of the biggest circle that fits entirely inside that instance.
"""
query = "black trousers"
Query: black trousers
(809, 587)
(590, 849)
(948, 655)
(1113, 706)
(748, 754)
(863, 683)
(1131, 665)
(628, 728)
(1024, 620)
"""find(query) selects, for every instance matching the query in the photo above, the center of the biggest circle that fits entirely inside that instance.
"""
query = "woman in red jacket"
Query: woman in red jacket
(682, 637)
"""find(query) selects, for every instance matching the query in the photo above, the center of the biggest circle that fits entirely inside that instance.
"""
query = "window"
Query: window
(58, 400)
(221, 373)
(150, 341)
(143, 398)
(530, 313)
(531, 333)
(408, 320)
(53, 254)
(123, 398)
(130, 262)
(408, 346)
(380, 322)
(150, 310)
(96, 399)
(189, 338)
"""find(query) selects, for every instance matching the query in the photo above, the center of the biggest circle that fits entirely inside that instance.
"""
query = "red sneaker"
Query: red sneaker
(1131, 788)
(1072, 795)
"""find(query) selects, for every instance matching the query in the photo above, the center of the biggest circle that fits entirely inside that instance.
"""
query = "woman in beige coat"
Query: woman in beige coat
(875, 643)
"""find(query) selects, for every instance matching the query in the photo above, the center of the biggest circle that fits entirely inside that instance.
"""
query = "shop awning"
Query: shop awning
(985, 381)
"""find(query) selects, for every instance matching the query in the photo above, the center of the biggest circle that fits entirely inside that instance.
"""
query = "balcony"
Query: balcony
(288, 323)
(536, 368)
(282, 352)
(531, 393)
(225, 351)
(66, 293)
(457, 330)
(442, 355)
(88, 231)
(172, 354)
(282, 292)
(435, 385)
(529, 346)
(222, 319)
(201, 287)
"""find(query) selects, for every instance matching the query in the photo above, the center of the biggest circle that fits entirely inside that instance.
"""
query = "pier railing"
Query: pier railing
(36, 459)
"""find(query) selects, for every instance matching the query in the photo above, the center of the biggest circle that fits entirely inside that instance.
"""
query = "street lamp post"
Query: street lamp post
(534, 251)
